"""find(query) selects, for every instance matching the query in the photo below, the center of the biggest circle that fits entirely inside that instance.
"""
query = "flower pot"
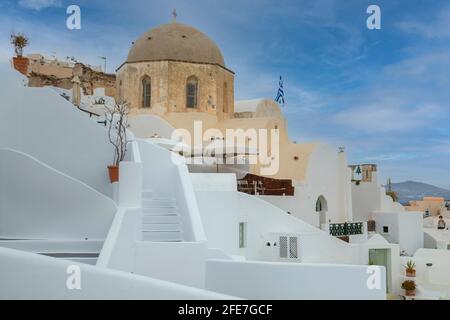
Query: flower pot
(113, 173)
(410, 273)
(410, 293)
(21, 64)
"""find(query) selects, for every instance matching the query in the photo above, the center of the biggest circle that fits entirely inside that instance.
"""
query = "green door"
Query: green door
(381, 257)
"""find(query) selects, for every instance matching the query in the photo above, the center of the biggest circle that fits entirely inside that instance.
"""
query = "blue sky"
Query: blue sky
(383, 94)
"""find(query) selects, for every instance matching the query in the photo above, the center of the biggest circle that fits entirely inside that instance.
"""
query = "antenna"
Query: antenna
(174, 15)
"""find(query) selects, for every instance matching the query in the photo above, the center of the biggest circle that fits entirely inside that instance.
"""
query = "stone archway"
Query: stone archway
(321, 209)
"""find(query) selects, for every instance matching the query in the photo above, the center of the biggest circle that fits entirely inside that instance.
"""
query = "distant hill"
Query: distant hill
(412, 190)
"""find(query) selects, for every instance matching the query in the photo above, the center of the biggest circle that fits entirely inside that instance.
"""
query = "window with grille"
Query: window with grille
(191, 92)
(288, 247)
(242, 234)
(146, 92)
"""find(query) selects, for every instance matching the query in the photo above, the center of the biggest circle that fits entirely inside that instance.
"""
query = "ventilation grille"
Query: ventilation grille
(288, 247)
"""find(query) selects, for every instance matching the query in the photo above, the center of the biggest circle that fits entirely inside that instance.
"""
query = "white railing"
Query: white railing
(130, 178)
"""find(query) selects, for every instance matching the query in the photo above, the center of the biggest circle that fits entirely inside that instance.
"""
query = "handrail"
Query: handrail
(89, 112)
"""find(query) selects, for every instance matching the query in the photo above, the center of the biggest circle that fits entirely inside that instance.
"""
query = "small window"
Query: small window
(242, 234)
(225, 98)
(146, 92)
(191, 92)
(385, 229)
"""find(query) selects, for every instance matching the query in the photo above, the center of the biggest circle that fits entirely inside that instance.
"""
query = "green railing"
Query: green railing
(346, 229)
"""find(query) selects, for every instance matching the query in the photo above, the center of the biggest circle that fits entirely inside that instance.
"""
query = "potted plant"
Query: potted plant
(20, 41)
(410, 269)
(410, 287)
(116, 118)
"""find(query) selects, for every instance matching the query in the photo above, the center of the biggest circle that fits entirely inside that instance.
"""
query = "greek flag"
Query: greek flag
(280, 94)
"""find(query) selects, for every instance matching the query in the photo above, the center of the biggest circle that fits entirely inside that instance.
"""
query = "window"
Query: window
(225, 98)
(385, 229)
(242, 234)
(191, 92)
(288, 247)
(146, 92)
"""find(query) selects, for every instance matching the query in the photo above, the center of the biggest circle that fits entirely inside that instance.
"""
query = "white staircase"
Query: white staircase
(161, 221)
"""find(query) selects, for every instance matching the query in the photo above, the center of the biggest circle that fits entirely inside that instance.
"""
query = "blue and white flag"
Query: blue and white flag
(280, 94)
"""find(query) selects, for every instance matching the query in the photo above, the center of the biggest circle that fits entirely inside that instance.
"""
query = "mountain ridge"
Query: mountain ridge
(415, 190)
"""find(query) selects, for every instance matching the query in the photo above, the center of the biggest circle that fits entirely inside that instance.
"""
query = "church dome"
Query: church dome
(176, 42)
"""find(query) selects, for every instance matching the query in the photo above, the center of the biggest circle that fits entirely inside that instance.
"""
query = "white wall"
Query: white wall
(30, 276)
(366, 199)
(39, 202)
(369, 197)
(436, 239)
(405, 228)
(41, 123)
(389, 220)
(436, 277)
(221, 212)
(147, 125)
(179, 262)
(411, 237)
(271, 280)
(327, 176)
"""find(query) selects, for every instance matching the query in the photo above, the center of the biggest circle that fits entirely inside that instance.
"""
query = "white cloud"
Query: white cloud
(389, 157)
(433, 28)
(387, 116)
(39, 4)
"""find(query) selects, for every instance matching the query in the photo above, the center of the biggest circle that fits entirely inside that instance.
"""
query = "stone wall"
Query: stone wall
(168, 87)
(61, 77)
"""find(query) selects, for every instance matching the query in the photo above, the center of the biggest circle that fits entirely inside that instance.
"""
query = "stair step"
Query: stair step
(162, 236)
(161, 219)
(160, 211)
(150, 203)
(149, 227)
(147, 194)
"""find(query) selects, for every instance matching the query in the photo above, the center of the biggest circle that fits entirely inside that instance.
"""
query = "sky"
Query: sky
(382, 94)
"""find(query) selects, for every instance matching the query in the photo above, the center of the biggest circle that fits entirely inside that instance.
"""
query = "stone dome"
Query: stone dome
(176, 42)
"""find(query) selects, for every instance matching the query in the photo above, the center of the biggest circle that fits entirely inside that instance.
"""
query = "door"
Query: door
(381, 257)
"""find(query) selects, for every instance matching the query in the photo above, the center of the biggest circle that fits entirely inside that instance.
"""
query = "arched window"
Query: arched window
(146, 92)
(321, 209)
(225, 98)
(191, 92)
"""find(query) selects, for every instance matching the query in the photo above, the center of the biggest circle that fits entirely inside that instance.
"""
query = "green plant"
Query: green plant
(393, 195)
(409, 285)
(410, 265)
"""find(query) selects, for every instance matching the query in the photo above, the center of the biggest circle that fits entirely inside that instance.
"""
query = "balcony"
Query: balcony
(257, 185)
(346, 229)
